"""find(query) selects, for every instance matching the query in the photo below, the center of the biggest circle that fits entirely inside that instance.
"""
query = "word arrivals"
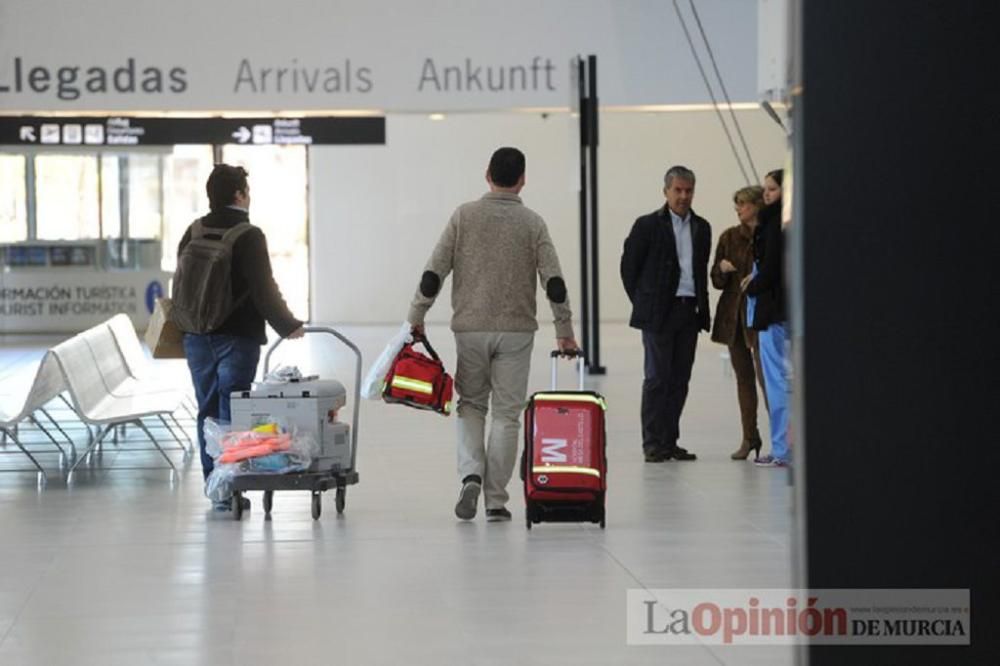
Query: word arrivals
(492, 78)
(300, 79)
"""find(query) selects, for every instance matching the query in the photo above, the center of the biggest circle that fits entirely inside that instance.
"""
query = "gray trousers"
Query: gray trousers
(492, 375)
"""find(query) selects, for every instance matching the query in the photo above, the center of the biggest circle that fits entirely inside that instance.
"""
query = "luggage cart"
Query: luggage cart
(315, 482)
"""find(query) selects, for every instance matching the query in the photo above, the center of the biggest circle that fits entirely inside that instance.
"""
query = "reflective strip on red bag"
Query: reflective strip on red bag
(411, 384)
(572, 397)
(565, 469)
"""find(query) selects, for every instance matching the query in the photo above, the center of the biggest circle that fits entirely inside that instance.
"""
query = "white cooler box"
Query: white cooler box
(308, 406)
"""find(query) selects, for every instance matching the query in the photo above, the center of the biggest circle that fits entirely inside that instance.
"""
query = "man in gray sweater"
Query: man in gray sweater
(495, 246)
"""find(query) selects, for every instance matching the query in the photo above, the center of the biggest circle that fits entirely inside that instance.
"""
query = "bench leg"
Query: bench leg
(42, 478)
(183, 432)
(94, 441)
(173, 470)
(62, 453)
(72, 444)
(170, 429)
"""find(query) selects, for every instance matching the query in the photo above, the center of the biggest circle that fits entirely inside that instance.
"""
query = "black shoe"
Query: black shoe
(497, 515)
(677, 453)
(656, 456)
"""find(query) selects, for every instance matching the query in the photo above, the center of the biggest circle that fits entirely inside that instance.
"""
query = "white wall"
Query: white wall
(358, 54)
(376, 211)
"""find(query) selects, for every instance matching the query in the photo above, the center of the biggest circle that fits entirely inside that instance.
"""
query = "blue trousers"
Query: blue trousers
(776, 363)
(219, 365)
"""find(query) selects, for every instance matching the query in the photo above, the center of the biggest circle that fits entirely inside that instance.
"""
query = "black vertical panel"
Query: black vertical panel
(896, 132)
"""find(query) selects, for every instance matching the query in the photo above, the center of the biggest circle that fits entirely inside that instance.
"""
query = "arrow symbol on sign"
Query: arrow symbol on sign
(242, 134)
(27, 133)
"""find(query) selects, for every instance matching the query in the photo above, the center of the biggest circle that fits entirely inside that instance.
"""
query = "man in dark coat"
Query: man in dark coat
(664, 268)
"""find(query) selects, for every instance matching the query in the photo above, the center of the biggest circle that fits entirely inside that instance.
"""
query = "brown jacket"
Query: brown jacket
(736, 245)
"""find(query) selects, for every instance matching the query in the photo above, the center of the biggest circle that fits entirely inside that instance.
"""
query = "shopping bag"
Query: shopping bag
(163, 337)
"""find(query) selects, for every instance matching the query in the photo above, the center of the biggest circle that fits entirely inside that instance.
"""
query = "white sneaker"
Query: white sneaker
(468, 498)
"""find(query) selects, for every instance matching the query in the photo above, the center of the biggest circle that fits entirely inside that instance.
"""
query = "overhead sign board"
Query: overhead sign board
(430, 56)
(140, 131)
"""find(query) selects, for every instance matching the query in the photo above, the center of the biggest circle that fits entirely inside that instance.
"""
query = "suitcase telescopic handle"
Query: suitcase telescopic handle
(357, 378)
(556, 355)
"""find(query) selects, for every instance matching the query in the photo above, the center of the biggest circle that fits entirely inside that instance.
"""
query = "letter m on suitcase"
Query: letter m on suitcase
(554, 450)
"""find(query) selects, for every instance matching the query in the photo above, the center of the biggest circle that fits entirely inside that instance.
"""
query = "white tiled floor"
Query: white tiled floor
(123, 568)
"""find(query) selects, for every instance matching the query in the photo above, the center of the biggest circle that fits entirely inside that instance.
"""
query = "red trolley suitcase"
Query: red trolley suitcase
(564, 465)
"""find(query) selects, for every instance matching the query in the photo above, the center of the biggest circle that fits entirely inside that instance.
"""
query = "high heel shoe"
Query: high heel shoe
(746, 446)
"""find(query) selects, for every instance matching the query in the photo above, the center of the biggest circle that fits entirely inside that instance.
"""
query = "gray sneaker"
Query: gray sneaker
(468, 498)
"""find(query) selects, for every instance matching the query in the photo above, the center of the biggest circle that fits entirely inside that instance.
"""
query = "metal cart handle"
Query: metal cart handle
(357, 378)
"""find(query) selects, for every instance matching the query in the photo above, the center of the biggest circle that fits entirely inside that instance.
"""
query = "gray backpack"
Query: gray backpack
(202, 292)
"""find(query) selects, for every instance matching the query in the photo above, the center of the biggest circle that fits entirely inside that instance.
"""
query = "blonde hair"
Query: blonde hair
(753, 194)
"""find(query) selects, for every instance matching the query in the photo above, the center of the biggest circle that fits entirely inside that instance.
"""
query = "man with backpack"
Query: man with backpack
(223, 292)
(498, 249)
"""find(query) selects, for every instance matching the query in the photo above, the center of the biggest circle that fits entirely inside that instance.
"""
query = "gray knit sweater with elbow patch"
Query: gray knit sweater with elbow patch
(496, 247)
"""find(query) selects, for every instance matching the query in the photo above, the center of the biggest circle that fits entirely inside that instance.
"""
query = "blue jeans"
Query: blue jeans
(776, 363)
(219, 364)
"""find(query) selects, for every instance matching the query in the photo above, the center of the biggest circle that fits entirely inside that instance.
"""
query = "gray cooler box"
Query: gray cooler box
(307, 406)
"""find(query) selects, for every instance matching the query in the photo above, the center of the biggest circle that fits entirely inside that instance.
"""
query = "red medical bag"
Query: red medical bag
(418, 380)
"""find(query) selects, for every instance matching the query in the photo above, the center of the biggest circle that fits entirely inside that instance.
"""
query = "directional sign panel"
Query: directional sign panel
(130, 131)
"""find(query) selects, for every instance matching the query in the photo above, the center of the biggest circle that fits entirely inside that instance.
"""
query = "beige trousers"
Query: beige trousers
(492, 376)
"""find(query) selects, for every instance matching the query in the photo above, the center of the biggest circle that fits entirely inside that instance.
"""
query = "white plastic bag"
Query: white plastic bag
(371, 388)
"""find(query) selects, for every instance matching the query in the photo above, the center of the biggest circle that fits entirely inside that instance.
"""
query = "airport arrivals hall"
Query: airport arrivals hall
(557, 332)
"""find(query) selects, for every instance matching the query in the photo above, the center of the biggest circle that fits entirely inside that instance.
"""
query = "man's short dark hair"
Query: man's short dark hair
(506, 167)
(223, 184)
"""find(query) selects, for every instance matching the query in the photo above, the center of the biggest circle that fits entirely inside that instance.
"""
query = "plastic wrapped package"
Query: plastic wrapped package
(214, 432)
(219, 484)
(268, 448)
(371, 388)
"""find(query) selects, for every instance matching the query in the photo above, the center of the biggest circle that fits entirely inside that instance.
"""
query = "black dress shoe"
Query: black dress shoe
(678, 453)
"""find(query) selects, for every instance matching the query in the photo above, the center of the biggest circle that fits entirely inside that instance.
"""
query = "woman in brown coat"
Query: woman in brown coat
(733, 262)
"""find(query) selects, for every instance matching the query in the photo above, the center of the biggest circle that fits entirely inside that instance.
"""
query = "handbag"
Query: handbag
(418, 380)
(163, 337)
